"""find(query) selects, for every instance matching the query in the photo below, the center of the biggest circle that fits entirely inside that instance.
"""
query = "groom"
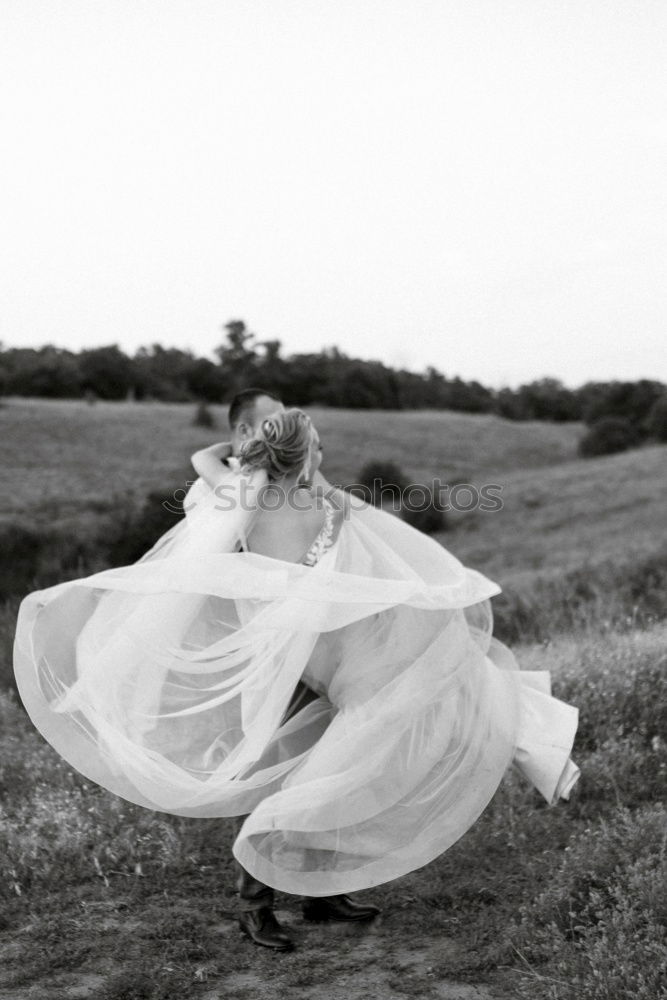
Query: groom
(257, 919)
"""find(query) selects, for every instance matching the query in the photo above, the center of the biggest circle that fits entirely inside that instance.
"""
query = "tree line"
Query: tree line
(326, 378)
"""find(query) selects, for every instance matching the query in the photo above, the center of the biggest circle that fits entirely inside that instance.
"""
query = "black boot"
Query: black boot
(337, 908)
(261, 926)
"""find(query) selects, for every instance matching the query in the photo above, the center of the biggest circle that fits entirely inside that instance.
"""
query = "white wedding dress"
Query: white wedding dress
(167, 682)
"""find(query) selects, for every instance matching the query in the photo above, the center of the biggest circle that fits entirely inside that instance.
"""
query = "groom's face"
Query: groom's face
(247, 426)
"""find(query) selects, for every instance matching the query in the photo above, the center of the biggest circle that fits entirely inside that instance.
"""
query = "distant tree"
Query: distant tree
(361, 385)
(107, 371)
(548, 399)
(238, 356)
(327, 378)
(469, 397)
(657, 419)
(272, 372)
(589, 395)
(508, 404)
(608, 436)
(205, 380)
(163, 373)
(45, 371)
(543, 399)
(308, 379)
(631, 400)
(433, 389)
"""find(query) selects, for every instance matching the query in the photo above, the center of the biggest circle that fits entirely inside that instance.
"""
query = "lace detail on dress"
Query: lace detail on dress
(324, 539)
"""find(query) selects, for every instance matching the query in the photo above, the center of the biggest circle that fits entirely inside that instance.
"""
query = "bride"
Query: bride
(171, 682)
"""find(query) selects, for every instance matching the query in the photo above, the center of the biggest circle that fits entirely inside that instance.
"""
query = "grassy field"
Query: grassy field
(64, 458)
(561, 516)
(104, 900)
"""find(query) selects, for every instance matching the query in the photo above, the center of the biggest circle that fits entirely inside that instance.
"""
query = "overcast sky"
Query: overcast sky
(474, 184)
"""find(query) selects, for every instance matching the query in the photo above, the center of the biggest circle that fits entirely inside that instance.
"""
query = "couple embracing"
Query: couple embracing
(318, 669)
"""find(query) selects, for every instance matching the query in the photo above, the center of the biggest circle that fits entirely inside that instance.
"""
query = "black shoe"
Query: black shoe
(262, 927)
(337, 908)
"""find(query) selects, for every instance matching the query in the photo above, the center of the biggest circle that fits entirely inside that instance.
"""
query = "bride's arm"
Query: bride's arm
(207, 462)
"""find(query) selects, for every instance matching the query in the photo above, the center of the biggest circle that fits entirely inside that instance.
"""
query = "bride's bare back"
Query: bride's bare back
(289, 531)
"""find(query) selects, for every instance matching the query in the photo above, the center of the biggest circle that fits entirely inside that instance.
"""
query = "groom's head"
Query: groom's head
(247, 410)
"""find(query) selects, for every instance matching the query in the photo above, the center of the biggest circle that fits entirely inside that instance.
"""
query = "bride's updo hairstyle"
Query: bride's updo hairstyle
(281, 444)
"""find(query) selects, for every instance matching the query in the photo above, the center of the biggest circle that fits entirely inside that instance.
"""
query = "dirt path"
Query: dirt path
(331, 962)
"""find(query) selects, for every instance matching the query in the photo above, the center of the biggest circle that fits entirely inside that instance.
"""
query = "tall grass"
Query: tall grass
(607, 595)
(572, 898)
(599, 929)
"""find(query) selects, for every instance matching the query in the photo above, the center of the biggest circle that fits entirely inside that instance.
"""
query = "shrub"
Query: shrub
(380, 481)
(383, 482)
(608, 436)
(20, 552)
(203, 416)
(133, 531)
(422, 510)
(32, 558)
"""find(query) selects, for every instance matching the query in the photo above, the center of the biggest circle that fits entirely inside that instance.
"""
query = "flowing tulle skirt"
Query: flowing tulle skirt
(167, 682)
